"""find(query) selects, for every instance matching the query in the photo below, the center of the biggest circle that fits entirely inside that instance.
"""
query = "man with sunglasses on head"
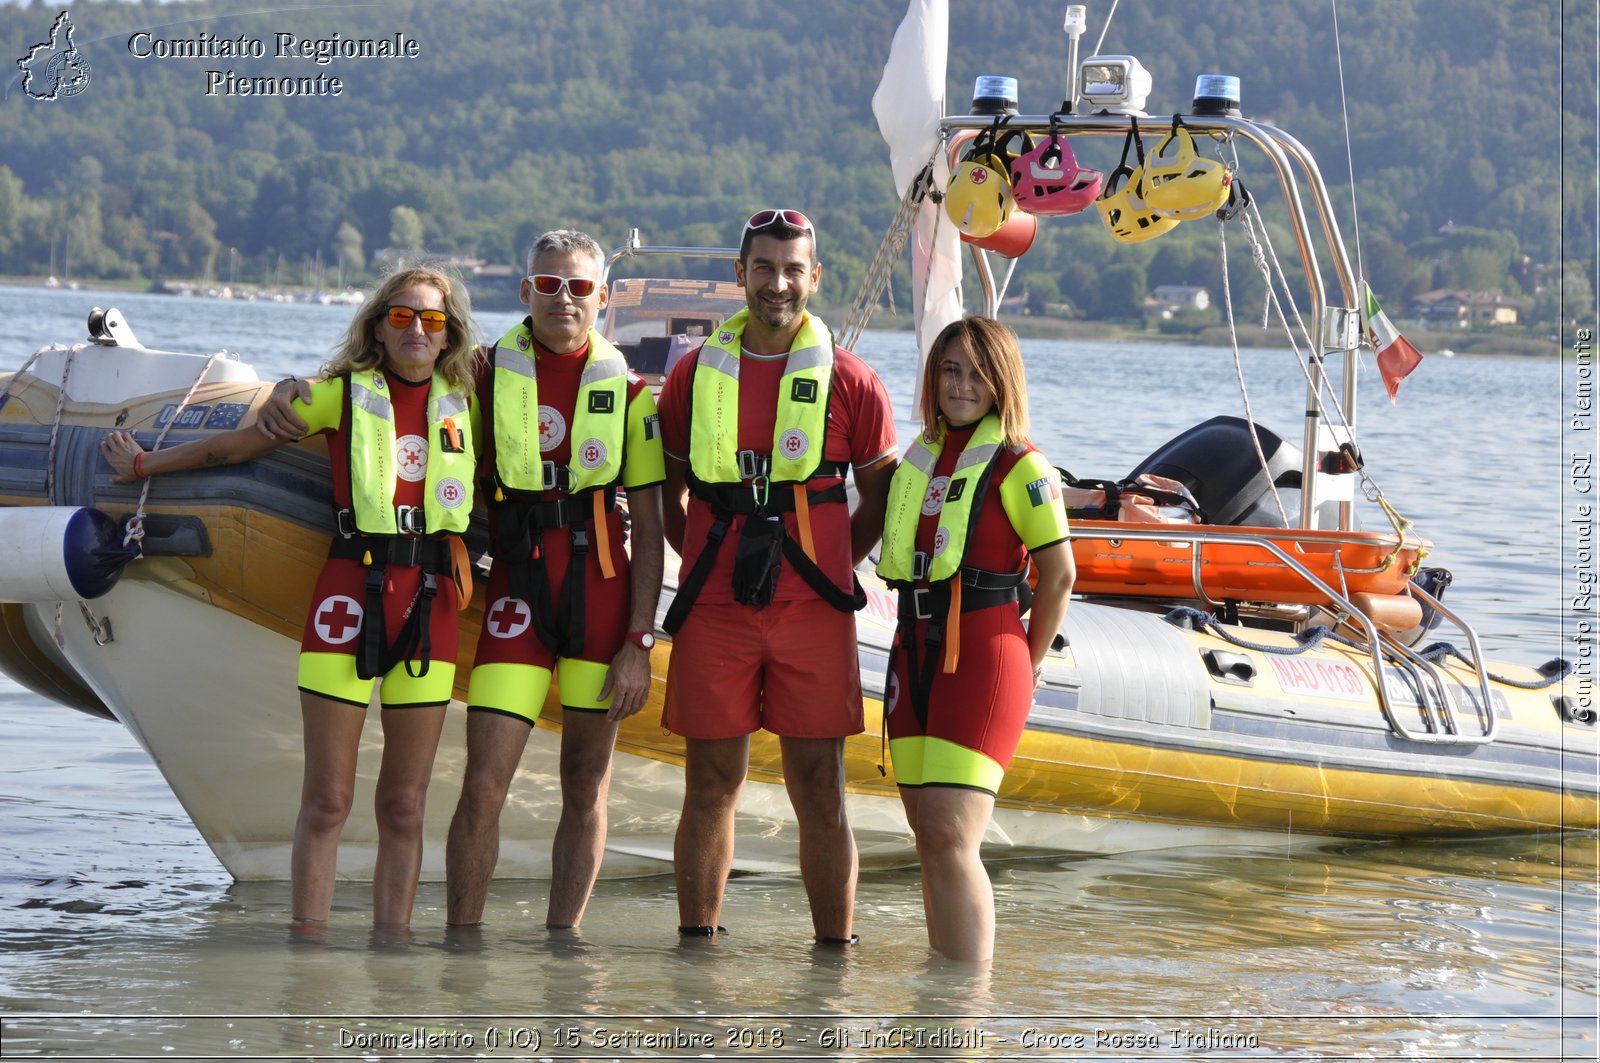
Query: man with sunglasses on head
(564, 424)
(761, 425)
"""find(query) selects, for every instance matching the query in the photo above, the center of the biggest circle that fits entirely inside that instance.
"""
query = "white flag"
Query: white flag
(908, 105)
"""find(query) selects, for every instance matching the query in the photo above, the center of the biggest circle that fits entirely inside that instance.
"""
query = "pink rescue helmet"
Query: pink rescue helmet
(1046, 178)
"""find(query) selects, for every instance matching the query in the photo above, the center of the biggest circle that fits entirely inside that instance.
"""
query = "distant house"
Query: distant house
(1165, 300)
(1452, 308)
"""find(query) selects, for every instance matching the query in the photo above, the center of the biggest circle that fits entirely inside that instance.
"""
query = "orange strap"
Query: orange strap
(602, 535)
(952, 628)
(461, 572)
(802, 517)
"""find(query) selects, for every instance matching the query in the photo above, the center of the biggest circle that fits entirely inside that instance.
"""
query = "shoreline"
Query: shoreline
(1430, 342)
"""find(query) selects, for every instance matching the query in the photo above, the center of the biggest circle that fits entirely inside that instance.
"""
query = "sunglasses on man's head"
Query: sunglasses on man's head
(766, 219)
(400, 317)
(548, 284)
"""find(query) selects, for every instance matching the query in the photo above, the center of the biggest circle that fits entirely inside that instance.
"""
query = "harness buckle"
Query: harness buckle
(344, 521)
(753, 464)
(921, 606)
(409, 520)
(548, 476)
(921, 563)
(580, 539)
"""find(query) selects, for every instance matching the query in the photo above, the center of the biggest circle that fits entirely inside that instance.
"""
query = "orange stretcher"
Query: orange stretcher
(1181, 563)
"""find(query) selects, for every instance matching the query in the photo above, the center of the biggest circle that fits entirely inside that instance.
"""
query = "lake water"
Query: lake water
(123, 938)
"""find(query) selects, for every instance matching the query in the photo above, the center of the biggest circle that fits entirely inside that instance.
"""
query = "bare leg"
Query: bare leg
(410, 740)
(703, 851)
(908, 797)
(587, 739)
(813, 772)
(950, 825)
(332, 738)
(494, 748)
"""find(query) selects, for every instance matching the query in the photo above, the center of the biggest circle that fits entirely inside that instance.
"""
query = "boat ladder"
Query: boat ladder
(1436, 698)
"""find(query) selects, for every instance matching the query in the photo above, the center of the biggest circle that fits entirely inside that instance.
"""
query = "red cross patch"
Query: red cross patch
(338, 619)
(508, 618)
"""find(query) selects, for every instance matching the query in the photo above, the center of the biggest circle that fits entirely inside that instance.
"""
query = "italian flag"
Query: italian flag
(1043, 490)
(1396, 357)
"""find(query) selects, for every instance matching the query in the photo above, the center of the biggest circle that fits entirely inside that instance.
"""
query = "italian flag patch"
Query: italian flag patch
(652, 426)
(1043, 490)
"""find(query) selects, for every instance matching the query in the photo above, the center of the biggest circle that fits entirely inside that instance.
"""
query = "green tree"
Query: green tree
(405, 229)
(11, 210)
(348, 251)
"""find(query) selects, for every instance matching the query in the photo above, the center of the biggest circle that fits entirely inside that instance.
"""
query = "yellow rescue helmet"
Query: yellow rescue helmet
(979, 199)
(1127, 216)
(1178, 183)
(1122, 206)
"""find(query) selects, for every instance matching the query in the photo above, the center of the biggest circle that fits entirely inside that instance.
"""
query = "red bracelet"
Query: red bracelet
(138, 466)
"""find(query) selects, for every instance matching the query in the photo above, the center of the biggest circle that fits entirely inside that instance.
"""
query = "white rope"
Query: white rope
(5, 396)
(135, 529)
(55, 423)
(1349, 154)
(881, 270)
(1103, 29)
(1264, 252)
(1238, 373)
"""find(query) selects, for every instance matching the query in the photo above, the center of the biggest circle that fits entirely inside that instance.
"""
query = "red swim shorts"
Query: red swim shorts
(790, 668)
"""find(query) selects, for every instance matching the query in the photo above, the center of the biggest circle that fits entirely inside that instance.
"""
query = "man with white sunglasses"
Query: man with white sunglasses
(761, 426)
(565, 424)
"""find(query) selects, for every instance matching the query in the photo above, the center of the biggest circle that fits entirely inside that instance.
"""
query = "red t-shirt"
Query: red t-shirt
(860, 431)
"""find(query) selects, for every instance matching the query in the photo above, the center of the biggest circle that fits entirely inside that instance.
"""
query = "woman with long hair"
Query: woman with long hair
(971, 506)
(395, 403)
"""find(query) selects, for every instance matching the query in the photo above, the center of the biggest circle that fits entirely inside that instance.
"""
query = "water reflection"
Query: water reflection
(1389, 943)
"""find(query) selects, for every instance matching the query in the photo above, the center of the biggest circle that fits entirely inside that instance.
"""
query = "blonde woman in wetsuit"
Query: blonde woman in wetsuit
(396, 407)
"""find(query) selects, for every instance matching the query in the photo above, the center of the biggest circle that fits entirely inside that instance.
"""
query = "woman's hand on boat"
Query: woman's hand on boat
(276, 417)
(627, 682)
(119, 450)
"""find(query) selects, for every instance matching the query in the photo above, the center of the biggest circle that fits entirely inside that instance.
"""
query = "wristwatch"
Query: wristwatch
(642, 639)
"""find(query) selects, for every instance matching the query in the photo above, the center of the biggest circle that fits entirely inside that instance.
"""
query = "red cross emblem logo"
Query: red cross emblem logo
(980, 174)
(450, 492)
(411, 457)
(552, 428)
(508, 618)
(338, 619)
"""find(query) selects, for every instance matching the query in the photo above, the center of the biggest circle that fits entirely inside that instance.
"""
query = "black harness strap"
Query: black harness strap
(730, 500)
(519, 540)
(980, 589)
(415, 639)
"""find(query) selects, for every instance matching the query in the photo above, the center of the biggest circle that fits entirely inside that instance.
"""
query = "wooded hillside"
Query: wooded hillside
(681, 116)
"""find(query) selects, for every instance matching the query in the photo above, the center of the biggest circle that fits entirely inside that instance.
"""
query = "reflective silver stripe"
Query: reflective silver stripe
(720, 360)
(369, 400)
(980, 455)
(808, 358)
(922, 459)
(449, 405)
(605, 369)
(516, 361)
